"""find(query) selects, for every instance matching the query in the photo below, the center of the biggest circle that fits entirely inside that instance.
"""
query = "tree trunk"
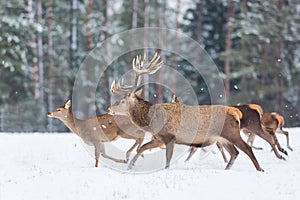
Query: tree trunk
(146, 24)
(279, 61)
(134, 14)
(88, 35)
(176, 48)
(49, 21)
(159, 76)
(40, 54)
(243, 44)
(73, 34)
(106, 94)
(199, 22)
(33, 44)
(230, 14)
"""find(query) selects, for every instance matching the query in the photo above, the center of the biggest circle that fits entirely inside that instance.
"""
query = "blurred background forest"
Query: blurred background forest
(255, 45)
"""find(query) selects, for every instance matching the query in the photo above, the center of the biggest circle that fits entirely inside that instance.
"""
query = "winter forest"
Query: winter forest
(254, 44)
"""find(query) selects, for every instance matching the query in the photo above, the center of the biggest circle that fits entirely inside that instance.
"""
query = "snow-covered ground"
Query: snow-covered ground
(58, 166)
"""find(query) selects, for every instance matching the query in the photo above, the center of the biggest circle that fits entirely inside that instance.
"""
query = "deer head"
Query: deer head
(122, 107)
(62, 112)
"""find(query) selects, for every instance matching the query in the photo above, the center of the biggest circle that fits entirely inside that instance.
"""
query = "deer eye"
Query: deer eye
(122, 101)
(59, 109)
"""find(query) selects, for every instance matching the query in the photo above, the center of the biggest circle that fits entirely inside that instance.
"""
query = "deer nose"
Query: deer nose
(49, 114)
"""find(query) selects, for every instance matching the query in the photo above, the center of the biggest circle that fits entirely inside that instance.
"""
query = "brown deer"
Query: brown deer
(173, 123)
(221, 142)
(273, 123)
(97, 130)
(252, 123)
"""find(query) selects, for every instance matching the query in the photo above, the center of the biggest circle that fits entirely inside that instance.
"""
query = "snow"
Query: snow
(59, 166)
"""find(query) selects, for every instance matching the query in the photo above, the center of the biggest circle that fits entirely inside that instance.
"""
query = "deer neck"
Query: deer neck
(70, 121)
(139, 113)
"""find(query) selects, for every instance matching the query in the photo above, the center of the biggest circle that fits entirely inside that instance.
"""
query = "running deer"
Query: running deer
(252, 123)
(172, 123)
(273, 123)
(97, 130)
(221, 142)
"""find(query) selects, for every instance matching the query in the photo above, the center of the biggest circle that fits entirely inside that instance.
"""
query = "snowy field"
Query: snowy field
(58, 166)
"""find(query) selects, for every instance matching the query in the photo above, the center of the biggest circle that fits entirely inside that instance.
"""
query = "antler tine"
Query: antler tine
(157, 67)
(155, 58)
(151, 68)
(145, 57)
(119, 89)
(138, 69)
(113, 87)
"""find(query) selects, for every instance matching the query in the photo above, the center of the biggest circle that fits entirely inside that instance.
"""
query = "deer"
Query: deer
(221, 142)
(164, 121)
(273, 123)
(252, 123)
(97, 130)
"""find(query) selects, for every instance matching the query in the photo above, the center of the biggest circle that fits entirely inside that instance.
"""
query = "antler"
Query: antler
(139, 68)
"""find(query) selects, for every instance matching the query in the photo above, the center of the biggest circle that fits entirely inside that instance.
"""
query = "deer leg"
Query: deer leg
(138, 143)
(192, 152)
(220, 147)
(250, 141)
(150, 145)
(97, 154)
(169, 151)
(267, 137)
(233, 154)
(287, 139)
(103, 153)
(239, 142)
(277, 143)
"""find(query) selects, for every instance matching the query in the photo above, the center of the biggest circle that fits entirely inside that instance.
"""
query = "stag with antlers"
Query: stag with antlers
(173, 124)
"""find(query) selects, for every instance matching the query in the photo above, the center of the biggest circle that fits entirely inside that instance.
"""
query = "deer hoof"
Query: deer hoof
(129, 167)
(282, 158)
(261, 170)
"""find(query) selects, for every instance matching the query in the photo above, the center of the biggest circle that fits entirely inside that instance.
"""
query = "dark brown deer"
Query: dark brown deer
(172, 123)
(273, 123)
(97, 130)
(252, 122)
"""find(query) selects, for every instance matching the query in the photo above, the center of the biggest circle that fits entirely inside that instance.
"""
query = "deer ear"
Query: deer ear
(179, 99)
(173, 98)
(132, 95)
(139, 92)
(68, 104)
